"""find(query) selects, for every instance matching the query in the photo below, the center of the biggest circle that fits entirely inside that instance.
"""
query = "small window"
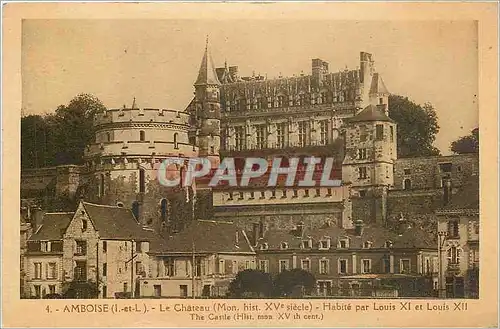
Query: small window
(135, 209)
(142, 181)
(283, 263)
(392, 133)
(343, 244)
(119, 204)
(306, 244)
(324, 244)
(142, 135)
(262, 195)
(367, 245)
(273, 194)
(342, 266)
(283, 245)
(306, 193)
(379, 132)
(362, 193)
(366, 266)
(362, 172)
(176, 146)
(264, 246)
(323, 266)
(459, 168)
(405, 266)
(163, 209)
(138, 246)
(362, 154)
(306, 265)
(84, 224)
(108, 137)
(407, 184)
(407, 171)
(453, 229)
(104, 246)
(104, 269)
(381, 101)
(388, 244)
(295, 194)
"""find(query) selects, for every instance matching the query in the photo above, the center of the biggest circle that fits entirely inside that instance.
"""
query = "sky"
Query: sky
(156, 61)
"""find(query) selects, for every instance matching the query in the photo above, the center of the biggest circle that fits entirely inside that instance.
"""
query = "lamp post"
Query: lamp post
(441, 240)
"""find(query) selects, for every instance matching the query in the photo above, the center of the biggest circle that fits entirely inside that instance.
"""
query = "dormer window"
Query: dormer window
(388, 244)
(306, 244)
(343, 243)
(324, 244)
(283, 245)
(264, 246)
(367, 245)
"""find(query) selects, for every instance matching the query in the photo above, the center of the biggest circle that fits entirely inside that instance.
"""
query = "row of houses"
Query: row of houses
(105, 246)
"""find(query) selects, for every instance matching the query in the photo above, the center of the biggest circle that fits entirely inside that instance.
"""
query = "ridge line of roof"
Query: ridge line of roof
(103, 205)
(60, 213)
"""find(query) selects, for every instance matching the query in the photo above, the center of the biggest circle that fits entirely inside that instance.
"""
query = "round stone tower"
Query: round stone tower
(123, 164)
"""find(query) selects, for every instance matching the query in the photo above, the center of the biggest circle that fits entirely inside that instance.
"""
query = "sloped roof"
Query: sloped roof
(53, 226)
(467, 197)
(114, 222)
(378, 85)
(378, 236)
(207, 74)
(208, 237)
(371, 113)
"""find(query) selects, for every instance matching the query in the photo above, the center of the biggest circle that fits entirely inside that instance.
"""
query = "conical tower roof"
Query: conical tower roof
(378, 85)
(207, 74)
(371, 113)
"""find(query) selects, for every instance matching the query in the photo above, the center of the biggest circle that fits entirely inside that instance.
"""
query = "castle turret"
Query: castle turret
(207, 108)
(368, 164)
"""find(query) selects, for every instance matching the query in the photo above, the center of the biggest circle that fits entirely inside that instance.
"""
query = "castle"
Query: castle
(341, 115)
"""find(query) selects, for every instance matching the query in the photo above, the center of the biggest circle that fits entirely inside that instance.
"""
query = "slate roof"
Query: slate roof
(378, 236)
(371, 113)
(467, 198)
(208, 237)
(114, 222)
(378, 85)
(207, 74)
(53, 226)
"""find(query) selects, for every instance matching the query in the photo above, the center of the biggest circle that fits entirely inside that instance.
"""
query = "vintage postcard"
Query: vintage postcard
(239, 164)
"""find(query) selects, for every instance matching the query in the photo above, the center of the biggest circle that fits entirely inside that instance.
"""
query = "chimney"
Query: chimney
(358, 227)
(446, 191)
(300, 229)
(319, 69)
(37, 218)
(365, 64)
(255, 233)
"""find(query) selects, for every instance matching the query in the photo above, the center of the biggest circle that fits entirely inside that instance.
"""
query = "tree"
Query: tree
(417, 127)
(251, 283)
(287, 283)
(466, 144)
(61, 137)
(80, 290)
(75, 128)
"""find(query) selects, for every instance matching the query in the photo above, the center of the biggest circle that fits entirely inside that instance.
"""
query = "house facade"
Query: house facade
(459, 232)
(199, 261)
(363, 261)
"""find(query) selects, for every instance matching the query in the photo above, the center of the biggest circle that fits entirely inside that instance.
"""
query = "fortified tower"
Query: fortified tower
(124, 161)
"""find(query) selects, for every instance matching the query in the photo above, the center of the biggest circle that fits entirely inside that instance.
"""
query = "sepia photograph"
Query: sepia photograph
(171, 161)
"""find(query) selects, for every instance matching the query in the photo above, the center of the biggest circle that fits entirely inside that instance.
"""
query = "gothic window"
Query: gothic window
(323, 128)
(259, 103)
(176, 146)
(362, 154)
(281, 101)
(163, 209)
(281, 134)
(142, 135)
(142, 181)
(362, 172)
(379, 132)
(362, 134)
(261, 136)
(240, 137)
(453, 229)
(323, 98)
(407, 184)
(303, 133)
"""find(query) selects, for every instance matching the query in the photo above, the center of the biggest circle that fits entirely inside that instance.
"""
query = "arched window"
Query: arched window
(108, 137)
(163, 209)
(176, 146)
(142, 181)
(407, 184)
(101, 185)
(135, 209)
(142, 135)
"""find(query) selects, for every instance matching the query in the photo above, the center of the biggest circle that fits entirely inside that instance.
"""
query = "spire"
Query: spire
(207, 75)
(133, 104)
